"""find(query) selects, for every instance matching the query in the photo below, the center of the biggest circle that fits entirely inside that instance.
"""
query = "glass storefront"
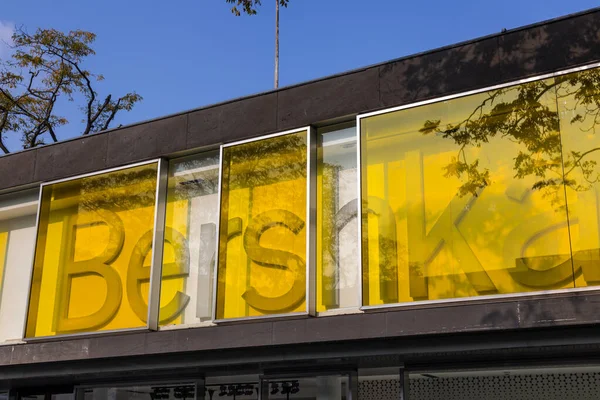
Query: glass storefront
(543, 382)
(94, 237)
(238, 387)
(308, 388)
(146, 392)
(491, 193)
(482, 195)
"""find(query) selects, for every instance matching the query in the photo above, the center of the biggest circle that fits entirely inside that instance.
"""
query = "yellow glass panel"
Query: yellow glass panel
(337, 222)
(262, 235)
(91, 269)
(190, 239)
(464, 198)
(578, 99)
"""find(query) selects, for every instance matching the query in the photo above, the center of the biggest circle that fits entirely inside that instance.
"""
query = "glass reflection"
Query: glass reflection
(242, 387)
(91, 270)
(190, 240)
(321, 387)
(337, 222)
(238, 391)
(469, 196)
(47, 396)
(154, 392)
(578, 99)
(262, 238)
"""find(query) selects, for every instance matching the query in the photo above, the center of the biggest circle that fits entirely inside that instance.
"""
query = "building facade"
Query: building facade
(426, 228)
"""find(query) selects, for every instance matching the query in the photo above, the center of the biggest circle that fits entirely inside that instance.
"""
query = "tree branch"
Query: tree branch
(578, 160)
(97, 114)
(112, 115)
(3, 123)
(17, 104)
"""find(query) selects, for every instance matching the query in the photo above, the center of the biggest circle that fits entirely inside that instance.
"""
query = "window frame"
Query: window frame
(465, 300)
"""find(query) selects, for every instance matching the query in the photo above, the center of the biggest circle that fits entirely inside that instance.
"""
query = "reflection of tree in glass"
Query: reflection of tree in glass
(116, 191)
(528, 115)
(265, 162)
(122, 190)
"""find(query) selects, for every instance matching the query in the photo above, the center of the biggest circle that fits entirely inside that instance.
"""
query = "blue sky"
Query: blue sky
(184, 54)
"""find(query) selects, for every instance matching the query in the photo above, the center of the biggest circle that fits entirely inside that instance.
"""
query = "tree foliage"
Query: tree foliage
(523, 114)
(249, 7)
(43, 67)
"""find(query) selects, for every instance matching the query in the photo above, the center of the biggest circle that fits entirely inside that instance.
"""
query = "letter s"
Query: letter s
(279, 259)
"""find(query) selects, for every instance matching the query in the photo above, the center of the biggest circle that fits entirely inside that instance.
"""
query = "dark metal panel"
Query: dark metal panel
(114, 346)
(440, 73)
(482, 315)
(343, 327)
(493, 60)
(203, 127)
(546, 48)
(164, 343)
(6, 354)
(74, 157)
(146, 141)
(553, 311)
(232, 121)
(17, 169)
(250, 117)
(327, 99)
(452, 318)
(252, 334)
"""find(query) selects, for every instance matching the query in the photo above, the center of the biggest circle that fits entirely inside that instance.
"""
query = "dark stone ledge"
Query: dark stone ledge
(475, 316)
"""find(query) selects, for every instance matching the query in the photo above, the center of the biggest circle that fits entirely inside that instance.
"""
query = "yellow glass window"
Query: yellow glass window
(578, 99)
(464, 198)
(262, 229)
(337, 276)
(92, 259)
(190, 239)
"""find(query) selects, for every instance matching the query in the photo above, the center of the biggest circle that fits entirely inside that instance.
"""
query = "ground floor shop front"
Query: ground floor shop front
(525, 364)
(550, 383)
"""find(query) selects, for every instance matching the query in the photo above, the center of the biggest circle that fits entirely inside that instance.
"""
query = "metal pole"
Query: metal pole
(404, 384)
(276, 44)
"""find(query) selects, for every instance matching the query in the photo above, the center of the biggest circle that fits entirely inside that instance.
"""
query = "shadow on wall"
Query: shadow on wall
(487, 62)
(533, 314)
